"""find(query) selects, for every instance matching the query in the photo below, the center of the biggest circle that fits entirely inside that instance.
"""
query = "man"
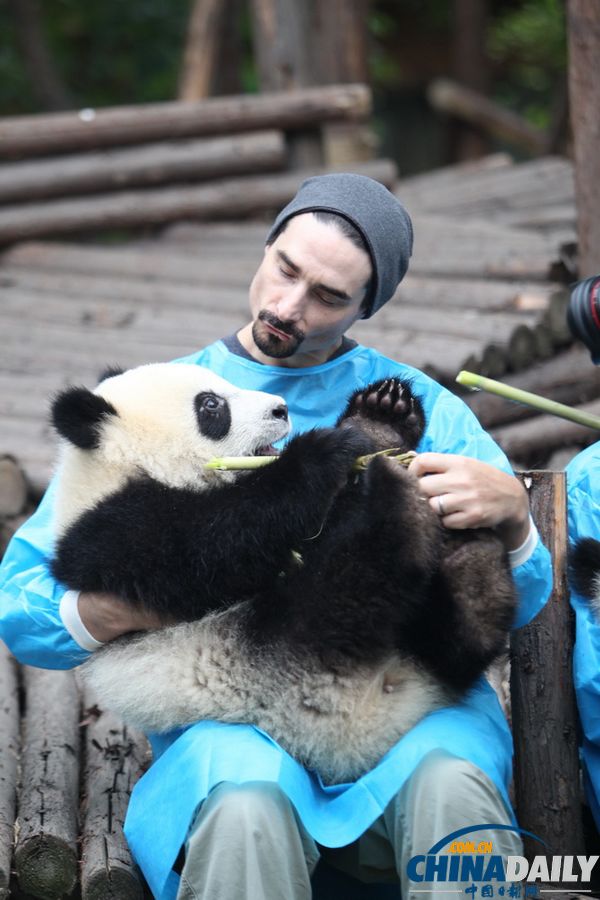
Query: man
(583, 495)
(335, 254)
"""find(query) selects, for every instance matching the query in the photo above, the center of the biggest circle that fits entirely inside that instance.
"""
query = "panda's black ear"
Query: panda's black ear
(110, 372)
(77, 415)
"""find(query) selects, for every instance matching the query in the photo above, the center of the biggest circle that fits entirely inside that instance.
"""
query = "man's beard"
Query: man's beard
(270, 344)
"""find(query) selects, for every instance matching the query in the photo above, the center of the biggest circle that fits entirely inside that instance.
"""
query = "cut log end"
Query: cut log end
(46, 867)
(119, 883)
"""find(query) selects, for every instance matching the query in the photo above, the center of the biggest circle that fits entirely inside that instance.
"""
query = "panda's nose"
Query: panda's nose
(280, 412)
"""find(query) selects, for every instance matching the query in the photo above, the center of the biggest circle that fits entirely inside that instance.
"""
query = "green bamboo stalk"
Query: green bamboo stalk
(478, 382)
(231, 463)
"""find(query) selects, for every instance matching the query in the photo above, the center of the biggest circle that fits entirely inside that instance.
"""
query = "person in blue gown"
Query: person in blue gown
(251, 821)
(583, 496)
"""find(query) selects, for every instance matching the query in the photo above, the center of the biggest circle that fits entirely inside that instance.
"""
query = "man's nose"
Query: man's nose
(291, 303)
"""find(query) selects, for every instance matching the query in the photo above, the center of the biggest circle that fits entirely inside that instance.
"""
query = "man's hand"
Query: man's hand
(468, 493)
(107, 617)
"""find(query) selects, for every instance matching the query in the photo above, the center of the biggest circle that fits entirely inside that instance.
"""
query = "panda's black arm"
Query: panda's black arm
(183, 553)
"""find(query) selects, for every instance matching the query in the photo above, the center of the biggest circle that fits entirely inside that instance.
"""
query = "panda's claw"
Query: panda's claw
(387, 404)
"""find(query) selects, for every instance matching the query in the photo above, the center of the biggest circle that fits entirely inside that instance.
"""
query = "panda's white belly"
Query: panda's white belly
(339, 725)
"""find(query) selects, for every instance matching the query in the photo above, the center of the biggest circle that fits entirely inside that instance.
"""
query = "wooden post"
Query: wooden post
(544, 712)
(583, 18)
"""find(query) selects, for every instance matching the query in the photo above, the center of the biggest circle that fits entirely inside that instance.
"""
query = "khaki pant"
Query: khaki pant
(247, 843)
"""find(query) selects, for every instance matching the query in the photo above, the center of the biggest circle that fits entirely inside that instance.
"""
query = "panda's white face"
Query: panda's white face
(165, 420)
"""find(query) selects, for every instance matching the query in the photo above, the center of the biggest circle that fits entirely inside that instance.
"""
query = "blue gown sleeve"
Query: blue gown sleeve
(30, 621)
(453, 428)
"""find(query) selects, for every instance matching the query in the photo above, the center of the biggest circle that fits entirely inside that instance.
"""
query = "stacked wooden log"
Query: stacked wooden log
(481, 294)
(146, 165)
(66, 774)
(532, 440)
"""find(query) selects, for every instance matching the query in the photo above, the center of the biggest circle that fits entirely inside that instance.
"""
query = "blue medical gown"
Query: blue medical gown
(583, 491)
(188, 762)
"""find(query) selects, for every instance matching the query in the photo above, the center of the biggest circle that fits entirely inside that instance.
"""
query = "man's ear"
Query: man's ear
(77, 415)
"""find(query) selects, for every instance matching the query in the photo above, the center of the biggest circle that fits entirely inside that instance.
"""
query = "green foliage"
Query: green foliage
(112, 52)
(527, 44)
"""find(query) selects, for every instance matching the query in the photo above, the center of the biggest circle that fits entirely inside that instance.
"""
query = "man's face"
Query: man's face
(308, 289)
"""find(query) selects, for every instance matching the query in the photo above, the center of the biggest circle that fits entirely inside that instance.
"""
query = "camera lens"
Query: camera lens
(583, 314)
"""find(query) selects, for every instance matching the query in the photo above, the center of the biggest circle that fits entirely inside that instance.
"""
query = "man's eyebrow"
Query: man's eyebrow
(342, 295)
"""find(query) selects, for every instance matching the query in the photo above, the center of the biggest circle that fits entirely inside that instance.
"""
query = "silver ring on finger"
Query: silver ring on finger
(440, 505)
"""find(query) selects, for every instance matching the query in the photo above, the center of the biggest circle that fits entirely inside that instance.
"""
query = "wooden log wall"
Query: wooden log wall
(481, 293)
(79, 171)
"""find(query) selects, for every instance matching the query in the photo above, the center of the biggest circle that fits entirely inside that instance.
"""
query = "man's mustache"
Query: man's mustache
(287, 328)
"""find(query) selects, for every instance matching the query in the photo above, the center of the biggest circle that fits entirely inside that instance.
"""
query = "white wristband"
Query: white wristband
(521, 554)
(69, 613)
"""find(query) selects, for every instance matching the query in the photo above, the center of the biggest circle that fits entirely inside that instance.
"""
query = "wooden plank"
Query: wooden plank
(92, 318)
(536, 183)
(225, 198)
(476, 249)
(46, 847)
(149, 164)
(198, 286)
(9, 754)
(545, 722)
(92, 128)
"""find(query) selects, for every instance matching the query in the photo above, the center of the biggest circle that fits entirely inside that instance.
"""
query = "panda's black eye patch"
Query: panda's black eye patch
(213, 415)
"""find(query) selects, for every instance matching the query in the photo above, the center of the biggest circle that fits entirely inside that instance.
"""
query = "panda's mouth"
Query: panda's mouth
(267, 450)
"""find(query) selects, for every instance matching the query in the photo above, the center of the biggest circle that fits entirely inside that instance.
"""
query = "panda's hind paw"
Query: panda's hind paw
(388, 404)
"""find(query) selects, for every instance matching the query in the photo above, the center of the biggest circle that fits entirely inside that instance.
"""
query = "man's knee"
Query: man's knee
(247, 804)
(445, 778)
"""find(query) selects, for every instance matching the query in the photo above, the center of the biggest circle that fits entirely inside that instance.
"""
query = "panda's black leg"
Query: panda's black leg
(388, 412)
(476, 604)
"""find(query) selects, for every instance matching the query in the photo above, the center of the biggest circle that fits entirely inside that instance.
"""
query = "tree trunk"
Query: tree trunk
(46, 83)
(471, 70)
(227, 76)
(302, 44)
(203, 40)
(583, 17)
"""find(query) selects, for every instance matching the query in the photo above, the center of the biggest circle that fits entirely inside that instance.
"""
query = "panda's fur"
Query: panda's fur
(584, 571)
(386, 617)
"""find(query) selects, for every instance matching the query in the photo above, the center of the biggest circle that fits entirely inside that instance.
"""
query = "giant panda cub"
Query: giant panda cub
(329, 608)
(584, 570)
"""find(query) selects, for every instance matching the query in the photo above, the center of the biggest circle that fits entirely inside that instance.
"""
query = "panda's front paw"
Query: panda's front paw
(328, 450)
(389, 412)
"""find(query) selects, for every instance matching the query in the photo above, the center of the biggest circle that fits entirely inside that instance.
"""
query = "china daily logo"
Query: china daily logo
(467, 856)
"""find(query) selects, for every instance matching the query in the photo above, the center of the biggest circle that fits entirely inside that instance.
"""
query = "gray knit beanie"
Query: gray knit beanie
(380, 218)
